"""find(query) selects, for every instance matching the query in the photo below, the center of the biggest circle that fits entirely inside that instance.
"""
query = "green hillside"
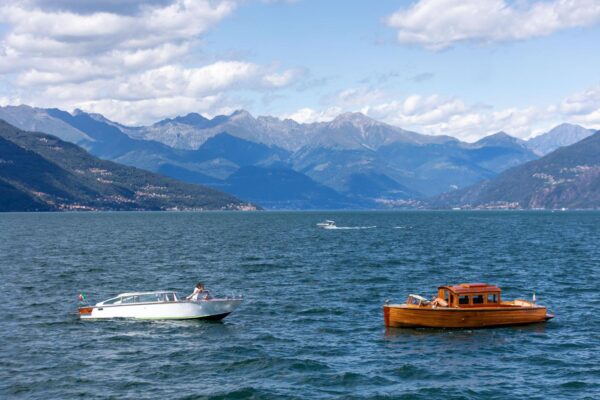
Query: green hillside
(42, 172)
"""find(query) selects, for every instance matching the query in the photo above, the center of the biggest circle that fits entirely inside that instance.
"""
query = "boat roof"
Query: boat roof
(139, 293)
(471, 288)
(416, 296)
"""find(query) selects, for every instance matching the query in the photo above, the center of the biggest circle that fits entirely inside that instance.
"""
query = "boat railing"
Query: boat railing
(214, 299)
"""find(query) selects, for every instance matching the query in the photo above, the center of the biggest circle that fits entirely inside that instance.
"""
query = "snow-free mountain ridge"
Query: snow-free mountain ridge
(568, 177)
(365, 162)
(559, 136)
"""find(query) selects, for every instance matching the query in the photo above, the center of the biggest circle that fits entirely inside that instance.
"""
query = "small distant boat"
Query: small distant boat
(467, 305)
(327, 224)
(160, 305)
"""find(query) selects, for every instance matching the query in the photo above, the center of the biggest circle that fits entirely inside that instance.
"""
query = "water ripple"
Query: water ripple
(311, 325)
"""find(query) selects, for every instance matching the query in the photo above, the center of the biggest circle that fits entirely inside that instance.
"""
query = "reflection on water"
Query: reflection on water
(393, 333)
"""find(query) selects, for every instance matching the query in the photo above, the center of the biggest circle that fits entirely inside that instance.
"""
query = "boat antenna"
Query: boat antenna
(533, 298)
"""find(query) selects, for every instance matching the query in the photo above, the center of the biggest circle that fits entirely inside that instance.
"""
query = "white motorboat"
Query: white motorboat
(327, 224)
(160, 305)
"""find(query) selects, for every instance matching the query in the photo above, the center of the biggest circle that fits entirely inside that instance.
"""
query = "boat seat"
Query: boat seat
(439, 302)
(522, 303)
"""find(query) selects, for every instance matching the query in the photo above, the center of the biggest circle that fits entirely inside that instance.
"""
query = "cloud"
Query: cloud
(443, 115)
(131, 112)
(86, 7)
(282, 79)
(582, 107)
(51, 39)
(439, 24)
(106, 54)
(439, 115)
(358, 98)
(308, 115)
(422, 77)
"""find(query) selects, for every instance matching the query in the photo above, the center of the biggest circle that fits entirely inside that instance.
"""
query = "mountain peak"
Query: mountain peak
(497, 139)
(567, 125)
(241, 114)
(561, 135)
(191, 119)
(356, 119)
(353, 117)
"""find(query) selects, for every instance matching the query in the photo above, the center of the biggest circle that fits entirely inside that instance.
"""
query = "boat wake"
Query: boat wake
(348, 227)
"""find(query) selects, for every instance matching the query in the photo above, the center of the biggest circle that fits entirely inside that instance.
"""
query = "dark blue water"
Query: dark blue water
(312, 324)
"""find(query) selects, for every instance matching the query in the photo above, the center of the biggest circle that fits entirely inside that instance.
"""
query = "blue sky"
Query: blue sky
(462, 67)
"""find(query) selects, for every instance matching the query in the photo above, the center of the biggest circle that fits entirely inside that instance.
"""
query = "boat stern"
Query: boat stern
(85, 312)
(386, 315)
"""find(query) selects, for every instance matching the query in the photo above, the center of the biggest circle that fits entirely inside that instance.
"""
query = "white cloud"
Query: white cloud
(438, 24)
(282, 79)
(86, 34)
(440, 115)
(583, 107)
(308, 115)
(67, 54)
(153, 109)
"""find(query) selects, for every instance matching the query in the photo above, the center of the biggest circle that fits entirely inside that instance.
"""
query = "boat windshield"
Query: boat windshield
(416, 300)
(143, 298)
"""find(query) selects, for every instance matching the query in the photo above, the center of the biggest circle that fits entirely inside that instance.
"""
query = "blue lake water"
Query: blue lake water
(311, 325)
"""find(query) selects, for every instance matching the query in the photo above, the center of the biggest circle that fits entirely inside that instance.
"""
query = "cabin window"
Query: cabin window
(492, 298)
(112, 301)
(463, 299)
(170, 296)
(451, 299)
(128, 300)
(150, 298)
(478, 299)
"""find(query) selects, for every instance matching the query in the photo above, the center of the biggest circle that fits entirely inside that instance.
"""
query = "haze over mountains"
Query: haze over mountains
(350, 162)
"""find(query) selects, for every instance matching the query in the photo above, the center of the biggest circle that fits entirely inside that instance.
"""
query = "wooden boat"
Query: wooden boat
(467, 305)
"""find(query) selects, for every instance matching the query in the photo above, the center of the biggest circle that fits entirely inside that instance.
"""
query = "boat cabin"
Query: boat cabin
(141, 297)
(466, 295)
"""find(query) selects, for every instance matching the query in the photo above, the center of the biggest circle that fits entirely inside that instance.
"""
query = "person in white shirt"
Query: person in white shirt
(199, 293)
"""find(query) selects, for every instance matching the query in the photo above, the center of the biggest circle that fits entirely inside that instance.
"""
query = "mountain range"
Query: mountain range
(559, 136)
(39, 172)
(352, 161)
(568, 177)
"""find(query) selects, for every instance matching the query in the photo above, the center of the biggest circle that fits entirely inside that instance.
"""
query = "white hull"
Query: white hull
(327, 224)
(208, 309)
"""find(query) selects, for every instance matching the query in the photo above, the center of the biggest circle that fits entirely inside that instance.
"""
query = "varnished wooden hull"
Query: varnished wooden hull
(398, 316)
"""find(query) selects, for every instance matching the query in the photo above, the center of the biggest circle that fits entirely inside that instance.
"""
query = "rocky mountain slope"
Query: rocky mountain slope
(347, 131)
(559, 136)
(569, 177)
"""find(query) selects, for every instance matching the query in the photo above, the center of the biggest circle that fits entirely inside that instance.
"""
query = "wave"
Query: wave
(349, 227)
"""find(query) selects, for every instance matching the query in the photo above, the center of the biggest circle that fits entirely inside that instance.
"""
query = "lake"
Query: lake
(311, 325)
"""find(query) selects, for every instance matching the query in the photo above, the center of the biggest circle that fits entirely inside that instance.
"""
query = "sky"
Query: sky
(466, 68)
